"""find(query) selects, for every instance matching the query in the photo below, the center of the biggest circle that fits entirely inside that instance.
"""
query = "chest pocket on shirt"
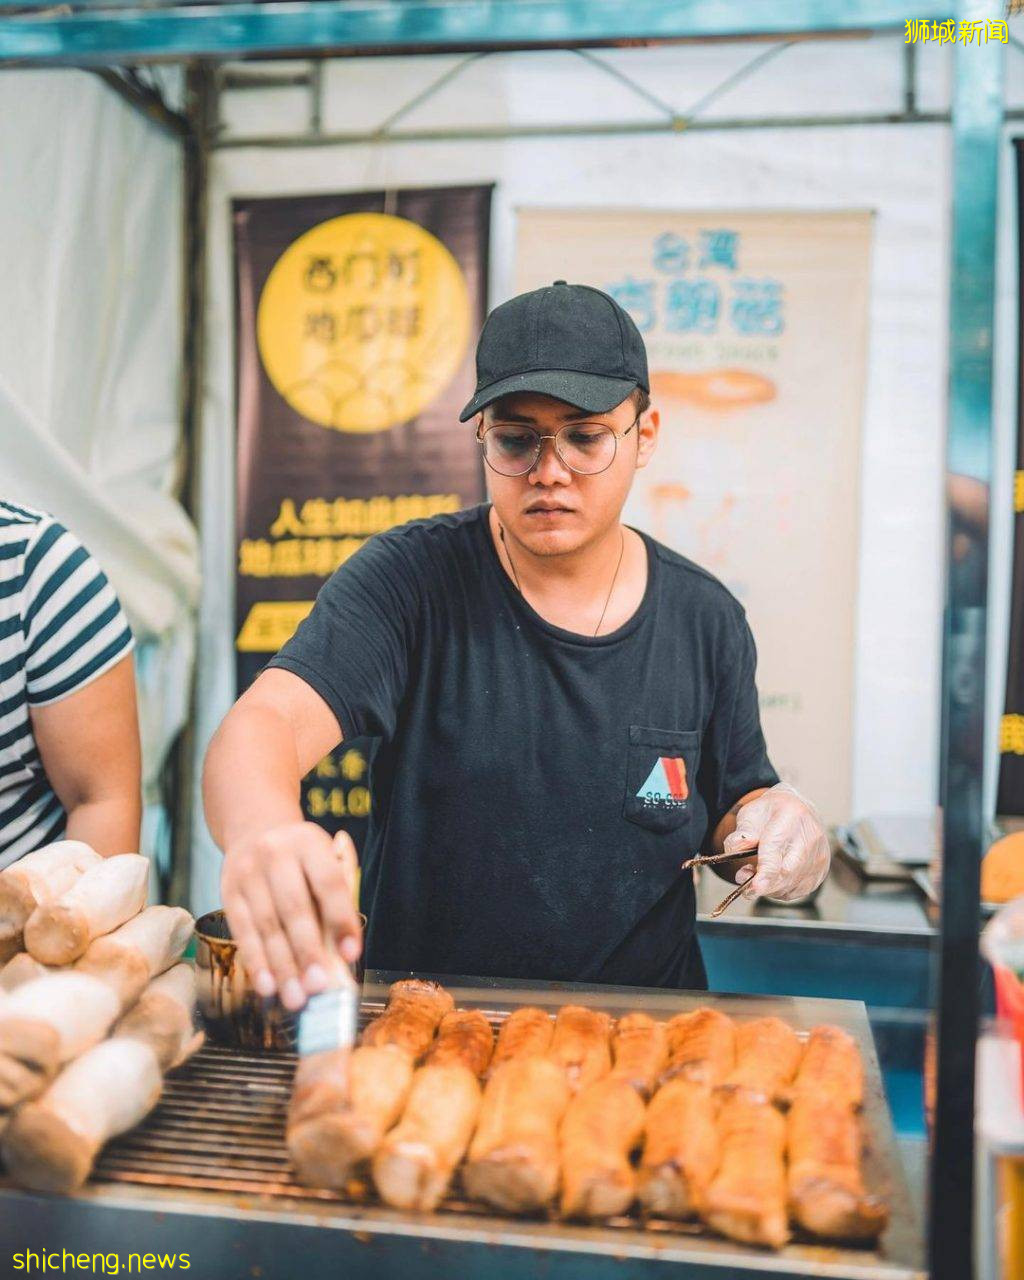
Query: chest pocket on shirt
(661, 772)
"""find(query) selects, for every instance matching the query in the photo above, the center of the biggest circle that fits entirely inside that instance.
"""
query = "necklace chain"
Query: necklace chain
(615, 575)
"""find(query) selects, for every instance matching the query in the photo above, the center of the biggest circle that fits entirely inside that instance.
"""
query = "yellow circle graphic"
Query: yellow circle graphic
(363, 321)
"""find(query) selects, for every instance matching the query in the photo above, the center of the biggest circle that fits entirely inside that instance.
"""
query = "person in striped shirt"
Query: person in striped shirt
(69, 735)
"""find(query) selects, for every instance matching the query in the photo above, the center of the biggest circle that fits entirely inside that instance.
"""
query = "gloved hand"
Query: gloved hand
(793, 853)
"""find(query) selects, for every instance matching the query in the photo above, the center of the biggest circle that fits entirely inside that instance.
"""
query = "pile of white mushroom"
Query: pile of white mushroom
(94, 1008)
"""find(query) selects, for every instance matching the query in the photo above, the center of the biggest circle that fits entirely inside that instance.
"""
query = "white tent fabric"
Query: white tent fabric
(90, 342)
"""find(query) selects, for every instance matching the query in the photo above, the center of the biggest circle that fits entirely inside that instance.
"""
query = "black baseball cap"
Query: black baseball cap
(569, 341)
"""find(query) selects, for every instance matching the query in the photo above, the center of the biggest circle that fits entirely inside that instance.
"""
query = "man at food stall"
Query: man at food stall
(69, 733)
(565, 710)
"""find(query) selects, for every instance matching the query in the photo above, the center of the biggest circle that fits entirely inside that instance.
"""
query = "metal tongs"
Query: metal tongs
(709, 860)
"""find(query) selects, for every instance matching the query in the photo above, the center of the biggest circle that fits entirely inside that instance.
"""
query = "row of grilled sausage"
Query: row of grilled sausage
(738, 1123)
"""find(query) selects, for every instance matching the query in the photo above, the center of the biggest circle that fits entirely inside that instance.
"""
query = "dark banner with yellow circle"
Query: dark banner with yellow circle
(357, 316)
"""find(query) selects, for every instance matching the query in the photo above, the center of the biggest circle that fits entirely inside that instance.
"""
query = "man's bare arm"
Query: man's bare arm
(286, 885)
(280, 727)
(89, 746)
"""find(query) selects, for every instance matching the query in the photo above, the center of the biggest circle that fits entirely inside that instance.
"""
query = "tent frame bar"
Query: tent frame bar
(146, 99)
(622, 129)
(81, 34)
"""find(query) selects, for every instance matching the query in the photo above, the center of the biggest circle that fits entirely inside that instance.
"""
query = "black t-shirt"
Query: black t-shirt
(534, 790)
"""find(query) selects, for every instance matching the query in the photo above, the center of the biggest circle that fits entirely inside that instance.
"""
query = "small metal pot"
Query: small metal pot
(232, 1011)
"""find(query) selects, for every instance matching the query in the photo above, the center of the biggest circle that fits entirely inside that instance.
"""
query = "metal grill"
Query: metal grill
(220, 1125)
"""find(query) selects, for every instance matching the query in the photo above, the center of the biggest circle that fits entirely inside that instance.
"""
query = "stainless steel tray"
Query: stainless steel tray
(213, 1154)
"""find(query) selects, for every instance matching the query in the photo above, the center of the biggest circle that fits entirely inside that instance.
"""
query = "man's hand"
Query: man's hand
(793, 853)
(287, 895)
(286, 885)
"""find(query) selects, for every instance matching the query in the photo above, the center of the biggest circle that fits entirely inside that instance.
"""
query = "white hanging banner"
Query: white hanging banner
(756, 332)
(90, 360)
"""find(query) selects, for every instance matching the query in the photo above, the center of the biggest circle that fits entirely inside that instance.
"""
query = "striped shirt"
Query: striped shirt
(60, 626)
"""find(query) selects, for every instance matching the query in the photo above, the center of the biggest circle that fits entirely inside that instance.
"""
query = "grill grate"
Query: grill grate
(219, 1126)
(219, 1131)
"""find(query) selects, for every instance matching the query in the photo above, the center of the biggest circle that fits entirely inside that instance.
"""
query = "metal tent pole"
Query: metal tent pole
(200, 102)
(977, 119)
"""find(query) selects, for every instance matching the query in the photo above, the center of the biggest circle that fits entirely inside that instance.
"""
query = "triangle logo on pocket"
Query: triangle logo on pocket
(666, 783)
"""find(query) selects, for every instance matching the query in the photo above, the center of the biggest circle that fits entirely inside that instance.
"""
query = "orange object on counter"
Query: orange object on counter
(1002, 869)
(1011, 1215)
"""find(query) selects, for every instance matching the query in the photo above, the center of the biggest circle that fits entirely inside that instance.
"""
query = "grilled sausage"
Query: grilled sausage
(602, 1125)
(681, 1149)
(826, 1187)
(639, 1051)
(343, 1102)
(831, 1068)
(580, 1044)
(767, 1055)
(414, 1163)
(701, 1046)
(524, 1032)
(464, 1036)
(514, 1159)
(414, 1010)
(747, 1197)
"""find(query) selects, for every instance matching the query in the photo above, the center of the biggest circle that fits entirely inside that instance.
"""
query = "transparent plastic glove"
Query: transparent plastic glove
(793, 853)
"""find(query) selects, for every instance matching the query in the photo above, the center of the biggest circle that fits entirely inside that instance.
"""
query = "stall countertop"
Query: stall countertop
(847, 909)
